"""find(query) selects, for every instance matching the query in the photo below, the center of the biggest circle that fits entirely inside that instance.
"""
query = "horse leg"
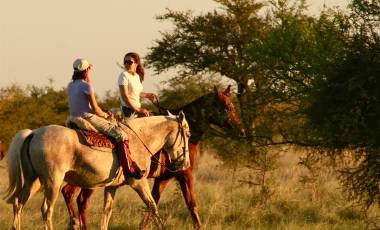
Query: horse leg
(82, 201)
(158, 187)
(109, 195)
(28, 190)
(17, 208)
(142, 188)
(50, 197)
(68, 192)
(186, 182)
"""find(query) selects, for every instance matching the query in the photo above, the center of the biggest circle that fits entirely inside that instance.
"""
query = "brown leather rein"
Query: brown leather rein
(177, 161)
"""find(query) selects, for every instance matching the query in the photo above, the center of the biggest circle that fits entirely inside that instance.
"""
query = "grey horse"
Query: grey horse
(53, 154)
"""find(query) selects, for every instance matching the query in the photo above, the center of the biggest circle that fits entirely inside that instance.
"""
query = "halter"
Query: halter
(176, 162)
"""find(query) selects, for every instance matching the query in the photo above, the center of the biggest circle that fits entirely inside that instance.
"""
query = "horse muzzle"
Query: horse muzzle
(179, 164)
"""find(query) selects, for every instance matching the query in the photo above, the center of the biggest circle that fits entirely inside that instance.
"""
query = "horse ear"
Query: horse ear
(181, 116)
(227, 91)
(170, 114)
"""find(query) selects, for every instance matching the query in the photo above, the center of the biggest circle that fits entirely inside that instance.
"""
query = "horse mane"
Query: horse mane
(135, 124)
(199, 100)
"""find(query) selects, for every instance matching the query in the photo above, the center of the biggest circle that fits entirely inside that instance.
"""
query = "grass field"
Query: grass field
(223, 201)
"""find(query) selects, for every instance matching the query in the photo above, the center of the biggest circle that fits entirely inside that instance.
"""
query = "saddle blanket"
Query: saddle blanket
(96, 139)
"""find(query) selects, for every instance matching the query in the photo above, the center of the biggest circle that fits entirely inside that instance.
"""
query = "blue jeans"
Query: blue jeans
(127, 111)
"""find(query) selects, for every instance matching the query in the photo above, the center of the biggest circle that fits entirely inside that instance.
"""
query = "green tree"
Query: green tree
(110, 100)
(345, 103)
(216, 42)
(273, 58)
(294, 56)
(30, 108)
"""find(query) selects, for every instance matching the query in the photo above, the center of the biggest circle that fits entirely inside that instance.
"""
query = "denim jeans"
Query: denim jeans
(127, 112)
(106, 127)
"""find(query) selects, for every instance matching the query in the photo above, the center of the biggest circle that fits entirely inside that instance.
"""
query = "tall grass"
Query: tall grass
(299, 201)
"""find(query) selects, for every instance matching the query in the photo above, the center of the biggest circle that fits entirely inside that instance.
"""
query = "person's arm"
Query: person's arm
(151, 96)
(95, 107)
(124, 95)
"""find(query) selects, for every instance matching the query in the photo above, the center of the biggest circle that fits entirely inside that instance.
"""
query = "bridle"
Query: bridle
(176, 162)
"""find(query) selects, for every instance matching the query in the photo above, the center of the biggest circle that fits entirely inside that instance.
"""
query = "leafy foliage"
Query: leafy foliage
(181, 91)
(36, 106)
(30, 108)
(300, 79)
(110, 100)
(345, 108)
(216, 42)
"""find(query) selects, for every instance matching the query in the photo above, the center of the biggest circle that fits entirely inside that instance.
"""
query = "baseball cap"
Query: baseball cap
(81, 64)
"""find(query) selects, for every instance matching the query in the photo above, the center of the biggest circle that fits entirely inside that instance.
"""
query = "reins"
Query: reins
(153, 156)
(160, 109)
(128, 126)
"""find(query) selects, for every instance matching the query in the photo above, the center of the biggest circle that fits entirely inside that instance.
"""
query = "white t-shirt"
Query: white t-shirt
(134, 88)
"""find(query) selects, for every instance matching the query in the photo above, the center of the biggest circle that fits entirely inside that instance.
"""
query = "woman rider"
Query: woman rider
(82, 103)
(131, 88)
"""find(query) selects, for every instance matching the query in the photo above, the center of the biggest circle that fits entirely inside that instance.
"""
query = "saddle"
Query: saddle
(89, 134)
(93, 138)
(96, 139)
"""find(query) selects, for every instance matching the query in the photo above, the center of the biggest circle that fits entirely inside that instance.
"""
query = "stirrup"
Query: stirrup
(137, 174)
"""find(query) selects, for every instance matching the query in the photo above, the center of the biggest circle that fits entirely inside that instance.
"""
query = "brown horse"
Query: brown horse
(214, 108)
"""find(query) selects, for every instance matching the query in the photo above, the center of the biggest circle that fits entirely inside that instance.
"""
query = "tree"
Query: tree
(294, 56)
(30, 108)
(344, 110)
(213, 43)
(273, 57)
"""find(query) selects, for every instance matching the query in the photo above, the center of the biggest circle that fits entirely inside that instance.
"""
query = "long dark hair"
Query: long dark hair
(139, 68)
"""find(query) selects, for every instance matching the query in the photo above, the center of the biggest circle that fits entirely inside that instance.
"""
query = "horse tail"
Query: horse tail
(19, 144)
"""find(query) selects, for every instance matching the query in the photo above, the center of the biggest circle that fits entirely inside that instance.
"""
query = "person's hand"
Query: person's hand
(109, 113)
(144, 111)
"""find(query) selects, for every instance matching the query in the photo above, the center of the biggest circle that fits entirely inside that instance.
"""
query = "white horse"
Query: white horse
(53, 154)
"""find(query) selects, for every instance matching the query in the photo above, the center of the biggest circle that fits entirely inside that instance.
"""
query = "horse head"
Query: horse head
(177, 147)
(224, 113)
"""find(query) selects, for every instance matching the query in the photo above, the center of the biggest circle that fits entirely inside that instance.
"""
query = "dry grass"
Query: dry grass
(224, 202)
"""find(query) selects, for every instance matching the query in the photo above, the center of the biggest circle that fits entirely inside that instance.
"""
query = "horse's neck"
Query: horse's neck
(151, 132)
(197, 116)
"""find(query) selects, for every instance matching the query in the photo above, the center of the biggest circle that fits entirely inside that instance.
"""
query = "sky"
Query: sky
(40, 39)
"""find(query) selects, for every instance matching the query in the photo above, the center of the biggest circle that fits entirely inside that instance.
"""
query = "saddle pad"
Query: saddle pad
(96, 139)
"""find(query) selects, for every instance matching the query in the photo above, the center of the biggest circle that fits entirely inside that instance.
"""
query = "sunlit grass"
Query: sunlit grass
(223, 202)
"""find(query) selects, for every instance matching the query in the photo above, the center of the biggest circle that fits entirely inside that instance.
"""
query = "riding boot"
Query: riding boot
(129, 166)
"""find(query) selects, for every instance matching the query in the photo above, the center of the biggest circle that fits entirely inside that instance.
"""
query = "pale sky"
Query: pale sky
(40, 39)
